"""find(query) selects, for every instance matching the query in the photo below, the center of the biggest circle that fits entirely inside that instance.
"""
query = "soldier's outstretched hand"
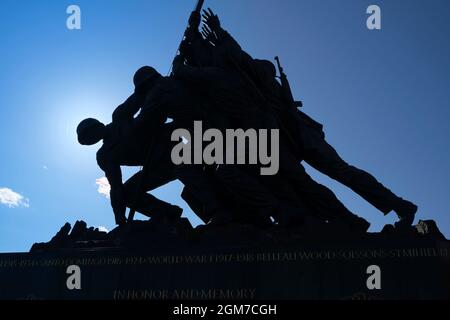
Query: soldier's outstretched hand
(208, 34)
(211, 20)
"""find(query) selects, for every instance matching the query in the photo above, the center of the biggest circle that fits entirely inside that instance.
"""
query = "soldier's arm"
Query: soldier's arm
(192, 32)
(152, 116)
(113, 172)
(197, 75)
(127, 110)
(213, 31)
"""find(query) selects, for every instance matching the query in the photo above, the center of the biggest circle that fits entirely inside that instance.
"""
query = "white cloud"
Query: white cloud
(104, 187)
(13, 199)
(102, 229)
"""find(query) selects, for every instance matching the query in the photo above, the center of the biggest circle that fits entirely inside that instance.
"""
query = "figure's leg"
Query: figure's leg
(244, 186)
(235, 183)
(323, 157)
(250, 191)
(146, 203)
(195, 204)
(290, 207)
(321, 200)
(201, 189)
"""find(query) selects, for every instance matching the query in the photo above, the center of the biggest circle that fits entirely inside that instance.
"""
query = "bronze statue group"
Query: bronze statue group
(215, 81)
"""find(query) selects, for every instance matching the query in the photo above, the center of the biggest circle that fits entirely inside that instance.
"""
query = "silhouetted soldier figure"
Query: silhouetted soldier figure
(236, 96)
(122, 145)
(194, 49)
(316, 151)
(164, 98)
(312, 145)
(170, 97)
(230, 104)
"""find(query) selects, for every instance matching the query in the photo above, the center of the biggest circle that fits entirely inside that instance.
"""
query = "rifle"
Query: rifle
(198, 9)
(286, 87)
(132, 212)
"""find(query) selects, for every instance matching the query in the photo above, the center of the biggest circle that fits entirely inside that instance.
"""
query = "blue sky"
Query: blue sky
(383, 96)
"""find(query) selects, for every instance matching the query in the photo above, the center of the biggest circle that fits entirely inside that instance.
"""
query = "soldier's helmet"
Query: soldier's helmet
(90, 131)
(265, 68)
(144, 76)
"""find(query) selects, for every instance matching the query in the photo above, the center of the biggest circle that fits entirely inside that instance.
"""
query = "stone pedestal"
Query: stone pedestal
(218, 269)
